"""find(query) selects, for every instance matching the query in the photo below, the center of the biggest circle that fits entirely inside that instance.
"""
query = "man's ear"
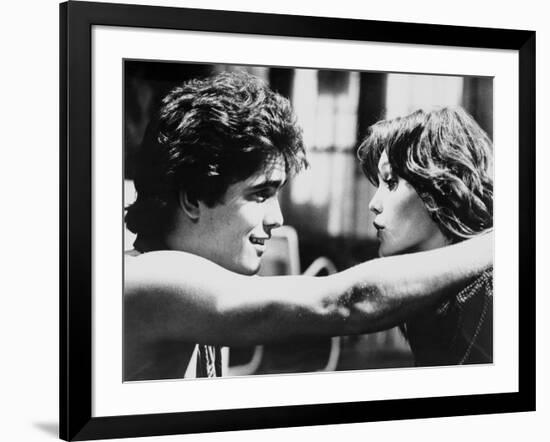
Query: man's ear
(189, 205)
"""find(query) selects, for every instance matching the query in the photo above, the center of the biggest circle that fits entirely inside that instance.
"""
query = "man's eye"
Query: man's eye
(263, 195)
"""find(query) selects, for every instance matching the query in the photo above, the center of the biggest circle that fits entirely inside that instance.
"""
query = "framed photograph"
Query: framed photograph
(300, 149)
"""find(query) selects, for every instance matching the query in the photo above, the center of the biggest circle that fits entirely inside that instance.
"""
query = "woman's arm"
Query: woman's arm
(178, 296)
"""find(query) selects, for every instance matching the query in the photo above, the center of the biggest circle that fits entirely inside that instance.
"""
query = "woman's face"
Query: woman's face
(402, 221)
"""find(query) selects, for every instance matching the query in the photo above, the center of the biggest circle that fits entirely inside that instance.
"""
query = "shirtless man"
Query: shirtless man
(208, 177)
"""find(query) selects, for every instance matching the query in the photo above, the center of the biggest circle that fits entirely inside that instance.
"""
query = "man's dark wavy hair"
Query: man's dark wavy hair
(447, 158)
(209, 134)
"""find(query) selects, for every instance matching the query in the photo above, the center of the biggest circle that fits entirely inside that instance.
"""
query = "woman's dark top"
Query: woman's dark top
(459, 331)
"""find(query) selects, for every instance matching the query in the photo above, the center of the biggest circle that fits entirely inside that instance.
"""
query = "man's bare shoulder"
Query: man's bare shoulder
(166, 262)
(133, 257)
(169, 268)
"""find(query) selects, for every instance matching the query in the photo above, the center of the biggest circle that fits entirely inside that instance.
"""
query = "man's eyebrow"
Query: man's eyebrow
(268, 183)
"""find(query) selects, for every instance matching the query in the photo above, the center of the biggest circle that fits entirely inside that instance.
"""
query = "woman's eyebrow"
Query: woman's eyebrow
(384, 169)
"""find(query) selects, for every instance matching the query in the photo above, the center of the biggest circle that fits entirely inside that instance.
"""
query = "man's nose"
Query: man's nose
(274, 215)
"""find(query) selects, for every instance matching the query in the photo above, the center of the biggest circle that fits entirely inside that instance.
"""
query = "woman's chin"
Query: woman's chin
(384, 251)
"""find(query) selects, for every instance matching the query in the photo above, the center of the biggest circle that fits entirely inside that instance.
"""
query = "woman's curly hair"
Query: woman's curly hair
(210, 133)
(447, 158)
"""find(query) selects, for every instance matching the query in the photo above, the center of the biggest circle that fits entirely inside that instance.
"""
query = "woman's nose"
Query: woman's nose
(375, 205)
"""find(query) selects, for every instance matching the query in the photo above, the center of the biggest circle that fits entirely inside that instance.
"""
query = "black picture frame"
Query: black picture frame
(76, 240)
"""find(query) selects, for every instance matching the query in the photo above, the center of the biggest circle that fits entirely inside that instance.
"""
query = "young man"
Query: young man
(207, 182)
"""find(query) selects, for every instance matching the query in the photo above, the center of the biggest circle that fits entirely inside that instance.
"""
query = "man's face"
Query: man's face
(234, 233)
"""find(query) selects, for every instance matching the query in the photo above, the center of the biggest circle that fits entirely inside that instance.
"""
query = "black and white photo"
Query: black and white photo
(276, 221)
(276, 171)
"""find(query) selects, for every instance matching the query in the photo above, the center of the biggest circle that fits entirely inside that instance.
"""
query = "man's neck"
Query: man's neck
(148, 244)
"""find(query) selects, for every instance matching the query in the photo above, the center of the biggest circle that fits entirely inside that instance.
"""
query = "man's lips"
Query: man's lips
(258, 240)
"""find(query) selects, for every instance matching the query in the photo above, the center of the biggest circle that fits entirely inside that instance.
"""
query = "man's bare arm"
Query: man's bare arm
(178, 296)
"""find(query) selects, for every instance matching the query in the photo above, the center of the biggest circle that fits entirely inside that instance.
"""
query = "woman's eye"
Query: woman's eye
(391, 183)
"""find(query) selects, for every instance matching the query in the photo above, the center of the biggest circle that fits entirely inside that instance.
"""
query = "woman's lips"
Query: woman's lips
(379, 229)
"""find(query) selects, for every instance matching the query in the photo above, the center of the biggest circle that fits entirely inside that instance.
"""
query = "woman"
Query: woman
(433, 171)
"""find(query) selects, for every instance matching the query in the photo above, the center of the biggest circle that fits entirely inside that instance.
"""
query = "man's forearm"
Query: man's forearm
(205, 303)
(392, 289)
(372, 296)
